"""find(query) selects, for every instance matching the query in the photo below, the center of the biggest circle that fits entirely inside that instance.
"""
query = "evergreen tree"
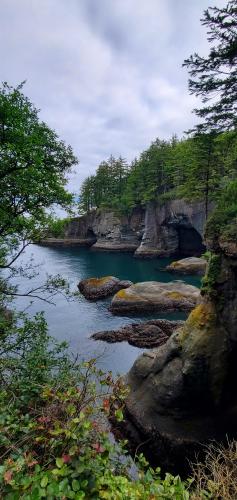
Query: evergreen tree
(214, 78)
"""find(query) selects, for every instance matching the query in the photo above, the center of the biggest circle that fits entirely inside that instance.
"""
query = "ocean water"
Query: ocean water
(76, 320)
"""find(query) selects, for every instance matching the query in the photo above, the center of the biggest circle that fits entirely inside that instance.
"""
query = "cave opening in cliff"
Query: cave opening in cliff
(91, 235)
(190, 242)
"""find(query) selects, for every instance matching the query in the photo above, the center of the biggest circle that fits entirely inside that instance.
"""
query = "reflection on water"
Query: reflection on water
(76, 321)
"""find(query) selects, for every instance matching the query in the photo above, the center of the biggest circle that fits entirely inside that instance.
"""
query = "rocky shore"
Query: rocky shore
(175, 227)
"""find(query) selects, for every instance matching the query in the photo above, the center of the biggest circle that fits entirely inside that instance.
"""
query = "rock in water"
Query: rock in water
(190, 265)
(99, 288)
(155, 296)
(148, 334)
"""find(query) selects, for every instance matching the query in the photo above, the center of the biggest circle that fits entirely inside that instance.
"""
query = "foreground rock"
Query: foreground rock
(148, 334)
(183, 394)
(190, 265)
(155, 296)
(99, 288)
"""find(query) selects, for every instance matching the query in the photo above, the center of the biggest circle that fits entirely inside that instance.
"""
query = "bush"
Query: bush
(54, 436)
(57, 227)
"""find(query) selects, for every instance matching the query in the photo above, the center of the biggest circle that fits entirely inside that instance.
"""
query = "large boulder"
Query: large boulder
(155, 296)
(99, 288)
(190, 265)
(148, 334)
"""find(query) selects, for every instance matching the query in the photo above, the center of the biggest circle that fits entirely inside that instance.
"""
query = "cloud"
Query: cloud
(106, 74)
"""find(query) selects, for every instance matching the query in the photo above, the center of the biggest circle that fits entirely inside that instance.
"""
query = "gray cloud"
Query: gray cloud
(106, 74)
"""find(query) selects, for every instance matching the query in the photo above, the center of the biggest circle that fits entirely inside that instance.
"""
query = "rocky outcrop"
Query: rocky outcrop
(175, 227)
(118, 233)
(99, 288)
(183, 394)
(155, 296)
(148, 334)
(190, 265)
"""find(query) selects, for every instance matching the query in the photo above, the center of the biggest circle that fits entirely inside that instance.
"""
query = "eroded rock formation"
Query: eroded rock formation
(184, 393)
(159, 230)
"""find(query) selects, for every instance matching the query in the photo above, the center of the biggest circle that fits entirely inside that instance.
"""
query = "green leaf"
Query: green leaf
(59, 462)
(75, 485)
(44, 481)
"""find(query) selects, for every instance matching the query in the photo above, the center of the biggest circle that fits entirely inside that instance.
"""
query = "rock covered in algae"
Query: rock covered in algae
(190, 265)
(155, 296)
(99, 288)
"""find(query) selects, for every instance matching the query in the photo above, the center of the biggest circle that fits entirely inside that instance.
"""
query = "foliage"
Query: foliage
(106, 187)
(211, 277)
(34, 165)
(214, 77)
(33, 168)
(57, 227)
(54, 440)
(223, 220)
(196, 168)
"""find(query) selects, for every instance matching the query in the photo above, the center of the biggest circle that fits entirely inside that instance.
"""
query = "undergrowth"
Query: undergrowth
(54, 436)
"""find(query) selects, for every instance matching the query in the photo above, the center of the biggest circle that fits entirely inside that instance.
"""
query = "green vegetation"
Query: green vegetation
(57, 227)
(54, 436)
(196, 168)
(211, 277)
(55, 441)
(213, 77)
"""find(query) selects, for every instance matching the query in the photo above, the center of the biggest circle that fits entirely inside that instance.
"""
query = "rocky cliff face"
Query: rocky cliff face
(184, 393)
(175, 227)
(115, 232)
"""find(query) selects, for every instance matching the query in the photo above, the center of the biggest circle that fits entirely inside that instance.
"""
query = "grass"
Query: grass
(217, 475)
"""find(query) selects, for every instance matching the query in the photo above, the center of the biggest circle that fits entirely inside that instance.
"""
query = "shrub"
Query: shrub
(54, 436)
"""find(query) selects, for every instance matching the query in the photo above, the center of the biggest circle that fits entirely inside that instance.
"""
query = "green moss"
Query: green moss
(230, 232)
(202, 318)
(210, 279)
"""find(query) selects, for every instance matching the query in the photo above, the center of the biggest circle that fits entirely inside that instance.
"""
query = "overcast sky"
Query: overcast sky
(106, 74)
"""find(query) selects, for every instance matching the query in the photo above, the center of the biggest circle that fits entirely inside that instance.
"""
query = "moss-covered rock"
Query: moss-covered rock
(99, 288)
(155, 296)
(190, 265)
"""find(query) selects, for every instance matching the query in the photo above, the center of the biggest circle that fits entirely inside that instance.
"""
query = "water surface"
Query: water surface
(76, 321)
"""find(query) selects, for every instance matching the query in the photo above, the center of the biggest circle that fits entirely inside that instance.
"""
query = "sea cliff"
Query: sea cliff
(175, 227)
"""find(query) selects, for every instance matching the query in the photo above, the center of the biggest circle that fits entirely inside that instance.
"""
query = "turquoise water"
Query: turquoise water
(76, 321)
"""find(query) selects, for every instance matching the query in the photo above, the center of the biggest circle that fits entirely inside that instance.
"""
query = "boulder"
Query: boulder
(148, 334)
(99, 288)
(190, 265)
(155, 296)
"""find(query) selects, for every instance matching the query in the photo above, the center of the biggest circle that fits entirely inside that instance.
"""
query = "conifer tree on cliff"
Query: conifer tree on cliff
(214, 78)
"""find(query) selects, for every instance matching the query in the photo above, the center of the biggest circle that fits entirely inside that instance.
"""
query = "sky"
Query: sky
(106, 74)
